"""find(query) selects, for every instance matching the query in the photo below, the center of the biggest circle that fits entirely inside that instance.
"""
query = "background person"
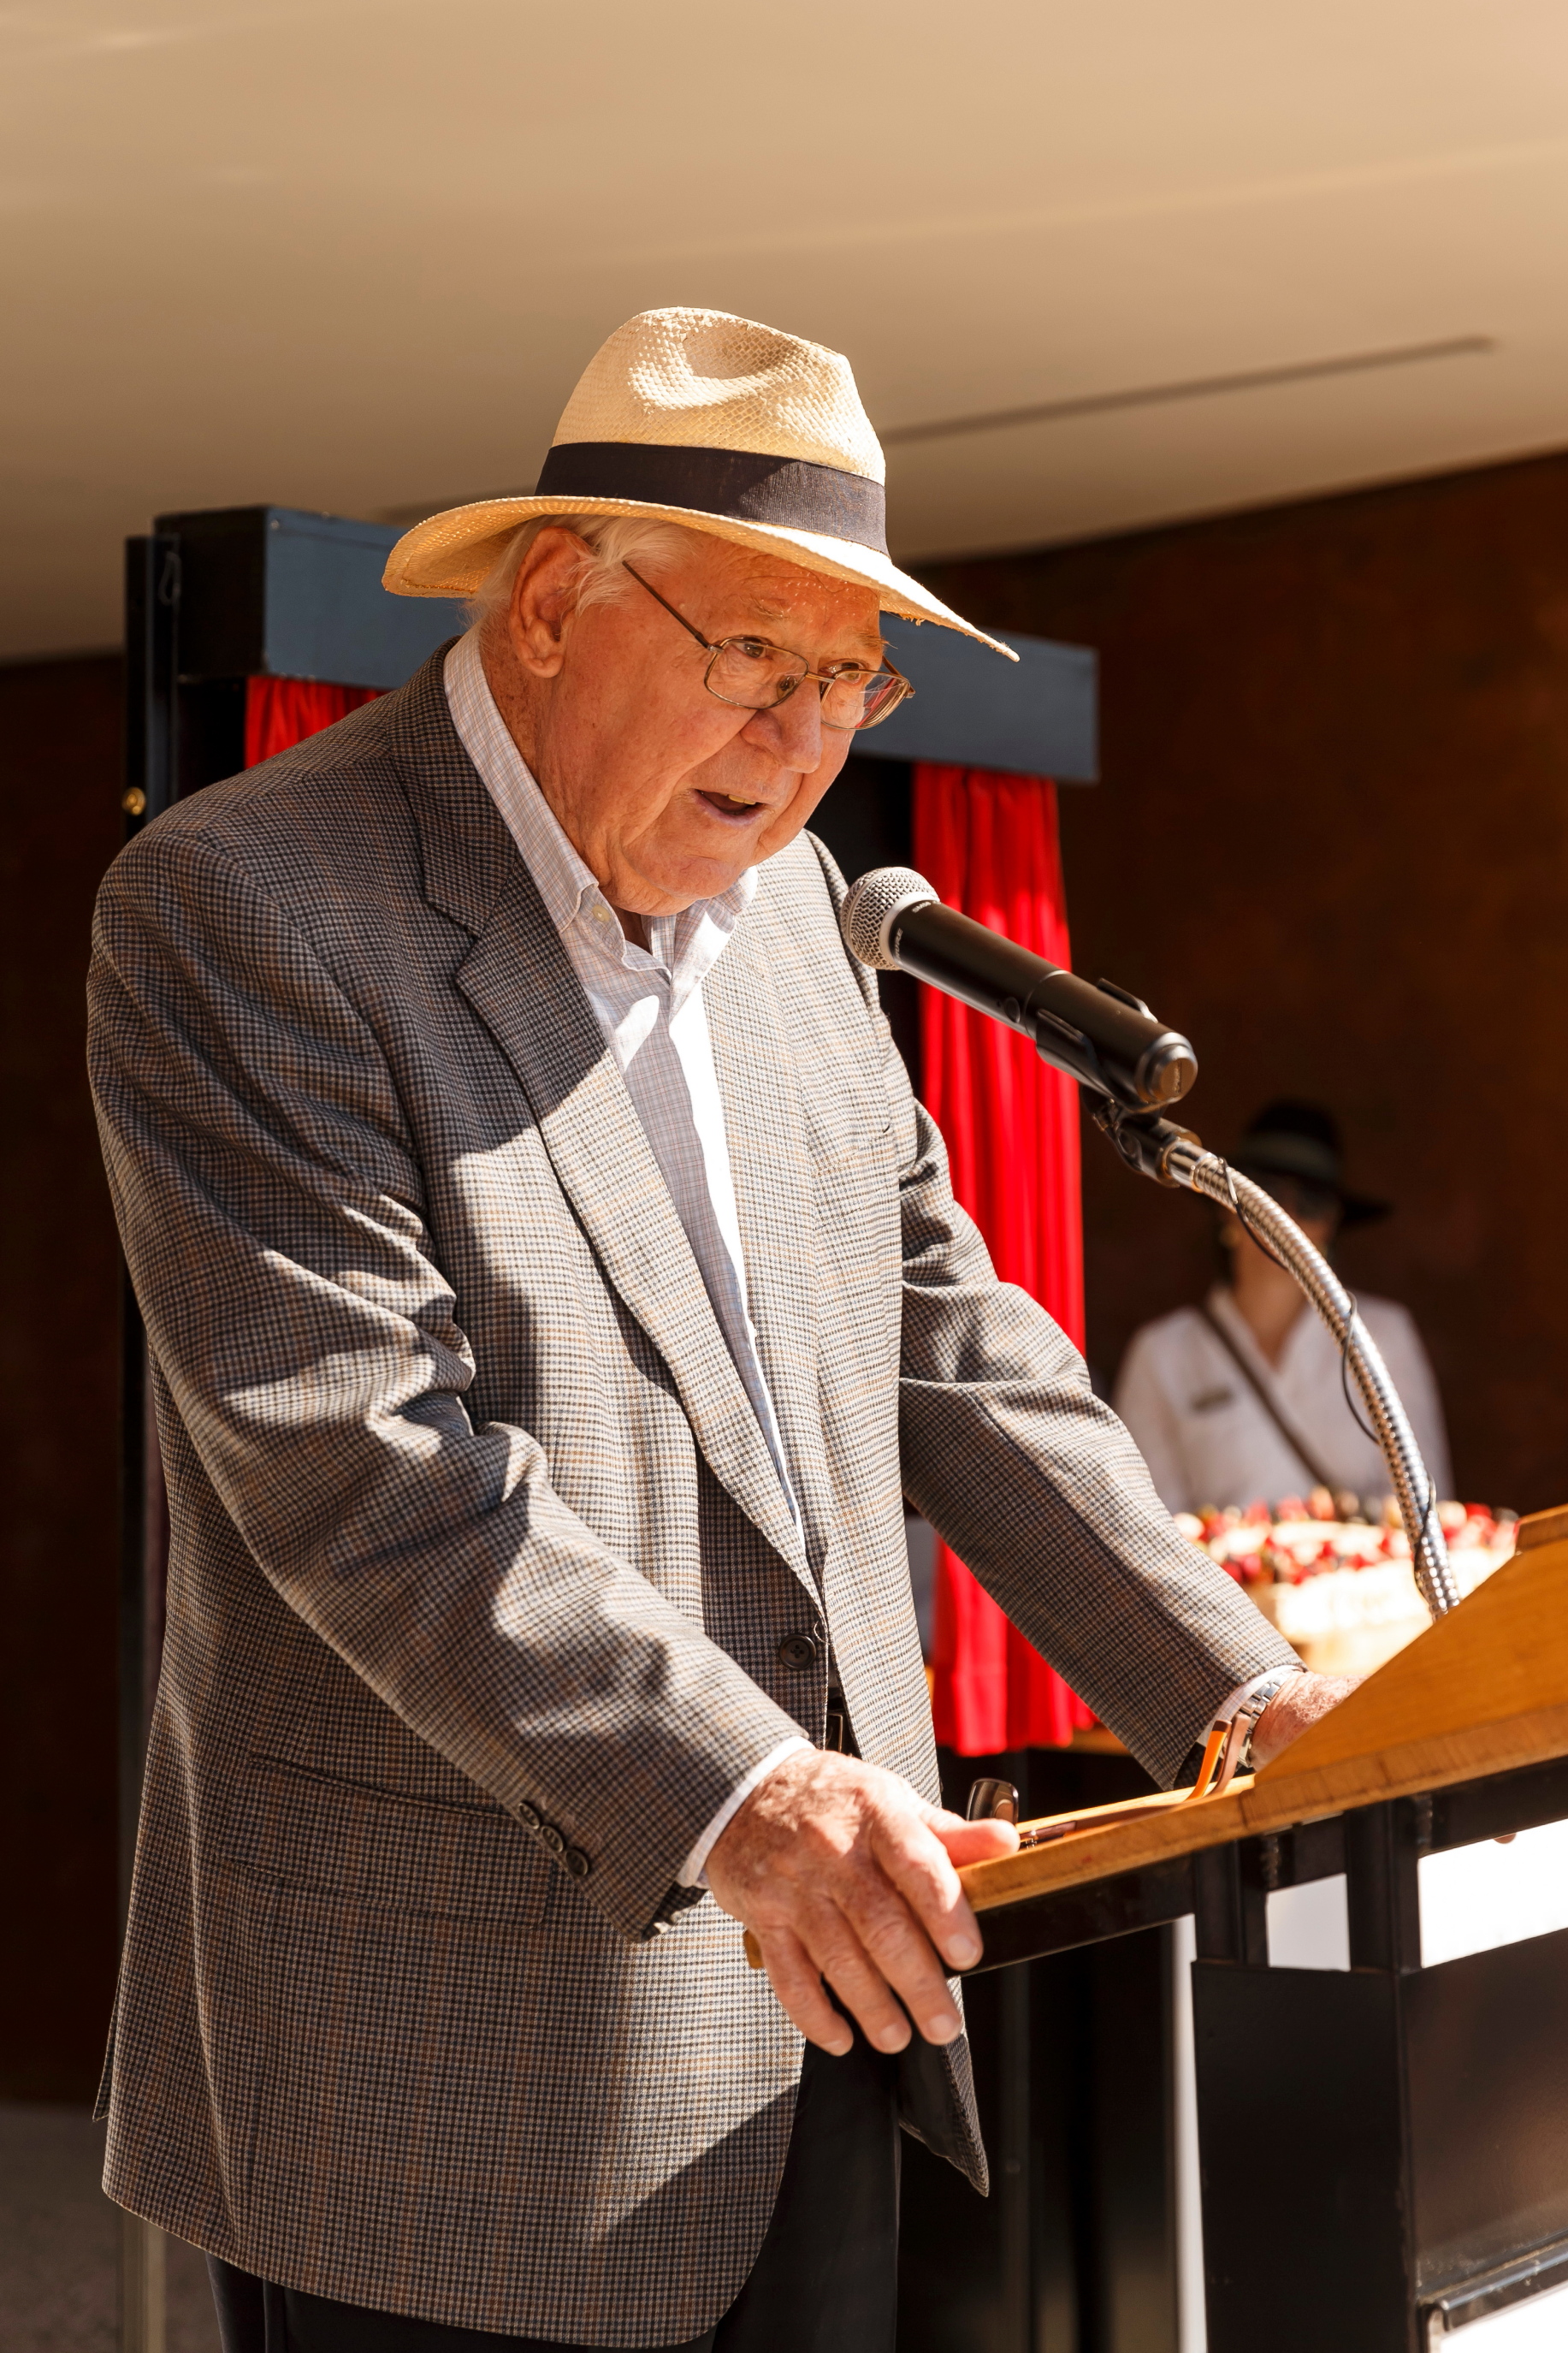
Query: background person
(1241, 1399)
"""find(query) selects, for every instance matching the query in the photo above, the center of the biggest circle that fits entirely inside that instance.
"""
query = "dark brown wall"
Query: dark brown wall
(1332, 844)
(59, 788)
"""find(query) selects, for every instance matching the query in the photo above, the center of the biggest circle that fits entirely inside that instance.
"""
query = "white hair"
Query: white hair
(612, 541)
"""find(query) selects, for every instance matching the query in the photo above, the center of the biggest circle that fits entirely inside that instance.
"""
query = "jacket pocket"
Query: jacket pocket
(850, 1129)
(428, 1858)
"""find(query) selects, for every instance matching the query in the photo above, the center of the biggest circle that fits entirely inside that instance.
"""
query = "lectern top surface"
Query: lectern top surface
(1483, 1691)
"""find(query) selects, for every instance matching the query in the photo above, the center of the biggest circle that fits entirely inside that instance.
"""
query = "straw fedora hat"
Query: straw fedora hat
(692, 416)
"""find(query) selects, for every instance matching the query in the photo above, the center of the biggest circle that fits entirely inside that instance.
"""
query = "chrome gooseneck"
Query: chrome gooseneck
(1173, 1156)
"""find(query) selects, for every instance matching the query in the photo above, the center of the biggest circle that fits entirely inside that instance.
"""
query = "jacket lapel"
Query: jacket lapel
(521, 982)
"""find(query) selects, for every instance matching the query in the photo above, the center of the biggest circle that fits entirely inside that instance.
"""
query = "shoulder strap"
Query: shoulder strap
(1293, 1439)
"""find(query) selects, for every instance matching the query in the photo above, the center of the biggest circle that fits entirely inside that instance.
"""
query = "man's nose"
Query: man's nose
(794, 729)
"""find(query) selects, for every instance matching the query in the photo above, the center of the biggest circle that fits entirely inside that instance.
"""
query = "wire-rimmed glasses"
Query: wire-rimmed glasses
(752, 674)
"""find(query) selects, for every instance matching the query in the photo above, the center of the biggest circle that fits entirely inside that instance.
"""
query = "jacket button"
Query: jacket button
(799, 1652)
(578, 1863)
(553, 1838)
(528, 1816)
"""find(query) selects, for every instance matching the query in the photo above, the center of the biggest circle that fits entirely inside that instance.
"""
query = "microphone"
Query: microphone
(1097, 1033)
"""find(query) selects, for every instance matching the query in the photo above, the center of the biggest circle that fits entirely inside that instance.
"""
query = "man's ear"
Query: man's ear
(544, 599)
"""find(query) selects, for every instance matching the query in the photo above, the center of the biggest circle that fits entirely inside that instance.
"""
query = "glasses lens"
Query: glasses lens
(862, 697)
(751, 672)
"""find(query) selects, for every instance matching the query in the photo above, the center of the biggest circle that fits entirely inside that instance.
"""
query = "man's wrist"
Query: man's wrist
(1250, 1698)
(693, 1871)
(1250, 1702)
(1254, 1696)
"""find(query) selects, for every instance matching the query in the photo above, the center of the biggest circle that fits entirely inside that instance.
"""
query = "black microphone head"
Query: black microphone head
(874, 903)
(1166, 1071)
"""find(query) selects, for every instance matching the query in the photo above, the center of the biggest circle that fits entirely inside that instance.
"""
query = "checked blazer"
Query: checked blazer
(479, 1566)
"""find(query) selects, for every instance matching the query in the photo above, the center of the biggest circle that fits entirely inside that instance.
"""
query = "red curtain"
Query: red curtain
(989, 844)
(281, 712)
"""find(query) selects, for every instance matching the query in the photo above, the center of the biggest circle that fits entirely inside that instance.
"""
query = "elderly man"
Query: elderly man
(553, 1290)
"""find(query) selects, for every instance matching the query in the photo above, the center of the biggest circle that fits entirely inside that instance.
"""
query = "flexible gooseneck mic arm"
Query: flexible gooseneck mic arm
(1109, 1042)
(1173, 1156)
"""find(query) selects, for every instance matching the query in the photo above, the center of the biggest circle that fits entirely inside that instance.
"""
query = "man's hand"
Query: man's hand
(842, 1873)
(1299, 1702)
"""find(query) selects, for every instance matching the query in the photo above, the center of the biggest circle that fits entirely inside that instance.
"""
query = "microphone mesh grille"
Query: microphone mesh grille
(870, 907)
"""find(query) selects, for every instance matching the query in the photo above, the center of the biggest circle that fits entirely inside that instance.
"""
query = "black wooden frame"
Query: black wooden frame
(1418, 2171)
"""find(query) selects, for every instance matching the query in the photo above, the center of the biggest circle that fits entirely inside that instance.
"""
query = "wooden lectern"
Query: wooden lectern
(1385, 2150)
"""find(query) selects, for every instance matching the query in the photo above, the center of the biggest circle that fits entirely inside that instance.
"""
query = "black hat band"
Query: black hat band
(790, 494)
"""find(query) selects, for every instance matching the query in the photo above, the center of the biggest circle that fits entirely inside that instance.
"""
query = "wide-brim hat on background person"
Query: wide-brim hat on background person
(1301, 1141)
(694, 417)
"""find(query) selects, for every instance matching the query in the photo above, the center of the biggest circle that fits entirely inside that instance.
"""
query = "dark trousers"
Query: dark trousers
(825, 2280)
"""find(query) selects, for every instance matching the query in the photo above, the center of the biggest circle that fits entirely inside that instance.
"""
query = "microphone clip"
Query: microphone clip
(1148, 1142)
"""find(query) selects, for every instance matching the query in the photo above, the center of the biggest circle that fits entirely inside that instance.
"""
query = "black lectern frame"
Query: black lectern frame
(1415, 2120)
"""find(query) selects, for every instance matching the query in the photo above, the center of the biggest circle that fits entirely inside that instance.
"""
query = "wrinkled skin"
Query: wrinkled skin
(666, 793)
(842, 1873)
(1294, 1709)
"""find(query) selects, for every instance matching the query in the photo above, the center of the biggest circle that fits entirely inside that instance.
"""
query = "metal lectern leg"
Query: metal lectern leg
(141, 2292)
(1382, 1898)
(152, 615)
(1307, 2064)
(1230, 1907)
(1328, 2256)
(1014, 2178)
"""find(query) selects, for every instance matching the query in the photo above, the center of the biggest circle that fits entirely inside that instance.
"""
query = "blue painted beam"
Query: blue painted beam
(1038, 716)
(273, 592)
(328, 614)
(276, 592)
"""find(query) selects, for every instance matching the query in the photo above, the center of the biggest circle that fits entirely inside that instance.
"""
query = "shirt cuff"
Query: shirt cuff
(1234, 1701)
(693, 1871)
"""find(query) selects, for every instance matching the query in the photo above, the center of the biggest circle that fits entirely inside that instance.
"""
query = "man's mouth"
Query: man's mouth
(729, 804)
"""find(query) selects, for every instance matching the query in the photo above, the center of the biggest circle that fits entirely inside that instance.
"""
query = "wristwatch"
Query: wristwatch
(1250, 1713)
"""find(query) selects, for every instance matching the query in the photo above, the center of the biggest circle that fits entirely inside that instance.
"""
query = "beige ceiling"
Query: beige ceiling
(351, 254)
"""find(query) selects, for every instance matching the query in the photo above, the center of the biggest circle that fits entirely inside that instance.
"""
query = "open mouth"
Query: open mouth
(729, 804)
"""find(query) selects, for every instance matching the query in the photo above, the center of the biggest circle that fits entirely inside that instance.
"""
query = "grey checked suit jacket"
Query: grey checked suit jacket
(479, 1566)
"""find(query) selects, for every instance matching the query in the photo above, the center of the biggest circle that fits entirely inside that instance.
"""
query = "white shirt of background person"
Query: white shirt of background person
(1199, 1423)
(1208, 1439)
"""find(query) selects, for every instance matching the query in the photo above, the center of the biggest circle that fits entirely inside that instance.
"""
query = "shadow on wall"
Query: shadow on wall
(60, 778)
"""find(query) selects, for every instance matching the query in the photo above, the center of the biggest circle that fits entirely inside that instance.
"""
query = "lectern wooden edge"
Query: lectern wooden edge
(1383, 2149)
(1483, 1691)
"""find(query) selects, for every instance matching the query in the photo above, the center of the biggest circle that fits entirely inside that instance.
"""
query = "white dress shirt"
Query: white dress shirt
(1208, 1439)
(649, 1006)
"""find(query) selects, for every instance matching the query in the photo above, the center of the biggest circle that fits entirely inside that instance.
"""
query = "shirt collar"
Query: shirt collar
(566, 885)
